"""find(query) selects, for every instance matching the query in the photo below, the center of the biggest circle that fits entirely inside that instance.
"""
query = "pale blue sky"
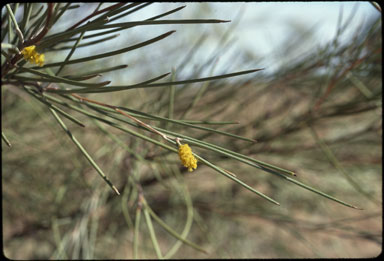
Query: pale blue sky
(262, 28)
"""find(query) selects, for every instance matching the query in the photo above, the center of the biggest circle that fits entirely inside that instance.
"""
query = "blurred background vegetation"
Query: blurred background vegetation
(318, 113)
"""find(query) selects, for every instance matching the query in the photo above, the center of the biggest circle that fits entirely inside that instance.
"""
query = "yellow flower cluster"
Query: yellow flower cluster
(32, 56)
(189, 161)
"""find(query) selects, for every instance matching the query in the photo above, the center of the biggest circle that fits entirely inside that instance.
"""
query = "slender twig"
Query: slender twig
(342, 75)
(18, 31)
(83, 151)
(94, 14)
(125, 114)
(45, 30)
(4, 138)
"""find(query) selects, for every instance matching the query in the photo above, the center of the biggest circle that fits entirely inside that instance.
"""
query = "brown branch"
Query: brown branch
(342, 75)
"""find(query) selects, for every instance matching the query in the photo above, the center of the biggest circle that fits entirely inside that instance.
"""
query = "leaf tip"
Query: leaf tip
(105, 83)
(116, 190)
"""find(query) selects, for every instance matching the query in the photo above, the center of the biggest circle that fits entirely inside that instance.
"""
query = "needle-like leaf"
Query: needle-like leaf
(83, 151)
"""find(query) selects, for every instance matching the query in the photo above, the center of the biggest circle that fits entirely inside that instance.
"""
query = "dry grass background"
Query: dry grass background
(54, 206)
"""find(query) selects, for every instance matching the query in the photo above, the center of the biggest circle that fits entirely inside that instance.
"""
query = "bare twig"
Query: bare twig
(164, 136)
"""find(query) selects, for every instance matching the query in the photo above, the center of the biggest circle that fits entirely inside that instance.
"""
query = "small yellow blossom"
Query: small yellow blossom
(189, 161)
(40, 60)
(32, 56)
(28, 51)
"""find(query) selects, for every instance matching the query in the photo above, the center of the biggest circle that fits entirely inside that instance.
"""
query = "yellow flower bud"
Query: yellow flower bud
(189, 161)
(32, 56)
(28, 52)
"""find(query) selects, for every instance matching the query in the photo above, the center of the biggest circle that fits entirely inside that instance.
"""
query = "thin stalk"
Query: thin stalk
(109, 54)
(119, 142)
(315, 190)
(333, 160)
(62, 11)
(84, 44)
(44, 101)
(4, 138)
(125, 114)
(135, 86)
(152, 233)
(359, 85)
(36, 25)
(188, 223)
(70, 53)
(10, 32)
(130, 12)
(26, 16)
(136, 233)
(160, 22)
(17, 29)
(198, 95)
(171, 98)
(172, 232)
(83, 151)
(96, 12)
(51, 78)
(124, 208)
(221, 171)
(98, 71)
